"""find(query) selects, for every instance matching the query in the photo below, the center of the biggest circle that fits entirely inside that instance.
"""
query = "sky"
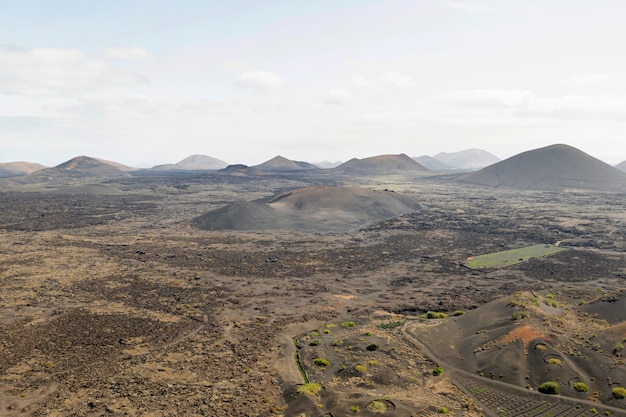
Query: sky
(149, 82)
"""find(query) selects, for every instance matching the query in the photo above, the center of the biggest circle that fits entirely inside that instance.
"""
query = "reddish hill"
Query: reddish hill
(19, 168)
(280, 163)
(555, 167)
(381, 164)
(81, 167)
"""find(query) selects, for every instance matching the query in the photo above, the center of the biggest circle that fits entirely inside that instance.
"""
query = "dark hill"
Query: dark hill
(318, 208)
(470, 159)
(16, 169)
(380, 165)
(555, 167)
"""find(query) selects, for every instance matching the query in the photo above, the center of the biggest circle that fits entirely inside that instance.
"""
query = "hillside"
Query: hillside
(470, 159)
(19, 168)
(380, 165)
(513, 340)
(621, 166)
(560, 167)
(318, 208)
(280, 163)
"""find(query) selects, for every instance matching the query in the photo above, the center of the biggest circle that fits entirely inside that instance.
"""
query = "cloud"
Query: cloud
(584, 80)
(578, 108)
(489, 97)
(470, 5)
(133, 54)
(338, 96)
(260, 81)
(397, 80)
(56, 71)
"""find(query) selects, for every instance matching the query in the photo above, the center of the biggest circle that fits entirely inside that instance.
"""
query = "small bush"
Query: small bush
(618, 348)
(310, 388)
(433, 315)
(437, 371)
(554, 361)
(347, 324)
(377, 407)
(549, 387)
(355, 408)
(458, 313)
(360, 368)
(540, 346)
(326, 331)
(619, 393)
(443, 410)
(338, 342)
(315, 342)
(320, 362)
(371, 362)
(593, 411)
(372, 348)
(581, 387)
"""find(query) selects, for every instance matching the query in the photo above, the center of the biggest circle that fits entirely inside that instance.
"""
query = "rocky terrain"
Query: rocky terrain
(115, 302)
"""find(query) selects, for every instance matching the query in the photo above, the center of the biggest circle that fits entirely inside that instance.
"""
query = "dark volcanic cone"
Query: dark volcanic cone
(321, 209)
(555, 167)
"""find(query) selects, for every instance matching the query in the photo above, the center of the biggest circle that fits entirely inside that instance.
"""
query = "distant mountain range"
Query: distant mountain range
(467, 160)
(553, 167)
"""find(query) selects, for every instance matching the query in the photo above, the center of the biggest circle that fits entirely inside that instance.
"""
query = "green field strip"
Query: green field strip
(511, 257)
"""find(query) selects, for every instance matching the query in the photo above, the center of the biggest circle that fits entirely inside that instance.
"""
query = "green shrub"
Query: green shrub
(310, 388)
(377, 407)
(326, 331)
(619, 392)
(618, 348)
(360, 368)
(433, 315)
(581, 387)
(458, 313)
(443, 410)
(540, 346)
(315, 342)
(549, 387)
(347, 324)
(355, 408)
(437, 371)
(554, 361)
(320, 362)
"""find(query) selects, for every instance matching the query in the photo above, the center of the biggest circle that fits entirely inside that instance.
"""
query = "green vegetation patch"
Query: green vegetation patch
(581, 387)
(549, 387)
(511, 257)
(310, 388)
(619, 392)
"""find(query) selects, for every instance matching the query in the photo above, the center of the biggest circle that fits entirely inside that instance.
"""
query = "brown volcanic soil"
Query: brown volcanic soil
(318, 209)
(553, 167)
(117, 305)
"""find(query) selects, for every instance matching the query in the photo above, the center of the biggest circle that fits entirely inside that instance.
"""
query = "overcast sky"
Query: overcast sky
(149, 82)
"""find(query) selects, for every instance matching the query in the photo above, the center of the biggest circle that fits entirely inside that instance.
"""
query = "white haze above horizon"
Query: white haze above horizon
(150, 82)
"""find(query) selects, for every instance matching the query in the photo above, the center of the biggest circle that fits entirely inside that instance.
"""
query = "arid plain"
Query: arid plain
(119, 297)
